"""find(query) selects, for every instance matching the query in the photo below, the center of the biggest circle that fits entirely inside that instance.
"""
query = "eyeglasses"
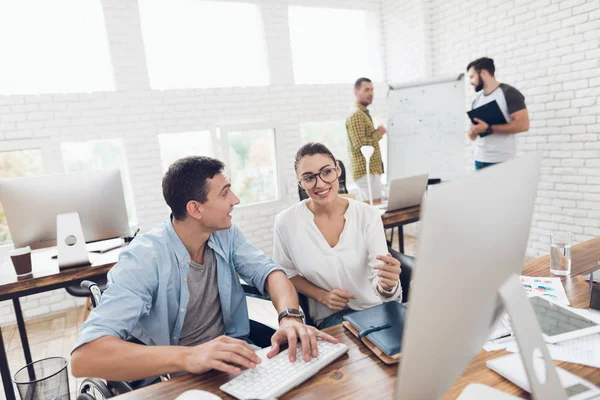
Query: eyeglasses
(327, 175)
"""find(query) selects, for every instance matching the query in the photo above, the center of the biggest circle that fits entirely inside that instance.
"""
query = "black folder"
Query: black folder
(489, 113)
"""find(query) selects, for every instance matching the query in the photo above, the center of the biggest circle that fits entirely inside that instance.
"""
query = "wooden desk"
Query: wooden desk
(46, 277)
(399, 218)
(360, 375)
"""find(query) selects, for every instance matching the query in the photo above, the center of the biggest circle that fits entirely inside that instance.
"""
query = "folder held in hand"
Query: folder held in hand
(489, 113)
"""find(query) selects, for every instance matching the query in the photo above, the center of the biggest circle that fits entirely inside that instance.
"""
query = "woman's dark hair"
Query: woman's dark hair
(310, 149)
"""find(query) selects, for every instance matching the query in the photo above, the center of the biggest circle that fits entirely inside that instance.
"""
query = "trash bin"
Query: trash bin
(46, 379)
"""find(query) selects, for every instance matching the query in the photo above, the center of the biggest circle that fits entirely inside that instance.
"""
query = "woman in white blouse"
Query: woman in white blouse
(332, 248)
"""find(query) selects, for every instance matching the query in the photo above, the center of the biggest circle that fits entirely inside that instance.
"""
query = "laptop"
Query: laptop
(405, 192)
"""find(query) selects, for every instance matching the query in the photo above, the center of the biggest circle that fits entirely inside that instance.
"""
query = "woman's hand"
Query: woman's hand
(388, 272)
(337, 299)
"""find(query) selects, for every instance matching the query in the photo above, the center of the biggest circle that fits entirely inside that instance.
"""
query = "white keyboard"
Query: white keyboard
(277, 376)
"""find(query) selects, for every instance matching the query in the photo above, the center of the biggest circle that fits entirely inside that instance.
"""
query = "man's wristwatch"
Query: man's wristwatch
(489, 130)
(291, 312)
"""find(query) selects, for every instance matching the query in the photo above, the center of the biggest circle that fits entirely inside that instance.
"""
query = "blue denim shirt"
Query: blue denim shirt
(147, 293)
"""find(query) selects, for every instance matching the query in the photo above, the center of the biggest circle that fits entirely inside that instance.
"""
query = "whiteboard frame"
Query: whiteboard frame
(425, 82)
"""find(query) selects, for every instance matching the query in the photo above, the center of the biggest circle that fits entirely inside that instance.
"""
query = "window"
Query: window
(252, 165)
(248, 153)
(334, 45)
(16, 164)
(174, 146)
(203, 44)
(100, 154)
(57, 46)
(333, 135)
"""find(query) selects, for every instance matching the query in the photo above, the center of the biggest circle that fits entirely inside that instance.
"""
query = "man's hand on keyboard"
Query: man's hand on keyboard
(290, 329)
(223, 354)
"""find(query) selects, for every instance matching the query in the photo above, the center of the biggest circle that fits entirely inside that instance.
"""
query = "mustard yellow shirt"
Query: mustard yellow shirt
(361, 132)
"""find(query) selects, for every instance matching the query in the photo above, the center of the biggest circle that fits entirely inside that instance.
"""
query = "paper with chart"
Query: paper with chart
(548, 288)
(426, 130)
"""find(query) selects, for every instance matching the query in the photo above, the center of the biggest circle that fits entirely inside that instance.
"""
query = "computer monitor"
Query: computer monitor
(474, 235)
(31, 205)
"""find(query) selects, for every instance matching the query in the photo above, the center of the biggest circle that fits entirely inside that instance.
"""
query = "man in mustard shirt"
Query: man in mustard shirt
(362, 132)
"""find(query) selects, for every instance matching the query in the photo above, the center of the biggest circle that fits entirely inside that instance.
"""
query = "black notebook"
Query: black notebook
(382, 325)
(489, 113)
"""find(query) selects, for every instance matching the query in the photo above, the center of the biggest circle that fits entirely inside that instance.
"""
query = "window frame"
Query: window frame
(220, 133)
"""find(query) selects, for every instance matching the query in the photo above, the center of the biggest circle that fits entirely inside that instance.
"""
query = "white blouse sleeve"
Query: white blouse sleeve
(377, 246)
(281, 255)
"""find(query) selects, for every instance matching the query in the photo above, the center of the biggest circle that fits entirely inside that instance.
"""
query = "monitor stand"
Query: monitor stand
(544, 383)
(70, 243)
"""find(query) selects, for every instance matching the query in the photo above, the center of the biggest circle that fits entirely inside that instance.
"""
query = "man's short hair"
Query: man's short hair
(360, 81)
(483, 63)
(185, 180)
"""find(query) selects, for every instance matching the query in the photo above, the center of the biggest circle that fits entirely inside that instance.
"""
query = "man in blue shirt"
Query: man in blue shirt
(176, 290)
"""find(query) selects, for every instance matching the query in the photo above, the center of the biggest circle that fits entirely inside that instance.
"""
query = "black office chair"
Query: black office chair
(98, 389)
(407, 263)
(342, 179)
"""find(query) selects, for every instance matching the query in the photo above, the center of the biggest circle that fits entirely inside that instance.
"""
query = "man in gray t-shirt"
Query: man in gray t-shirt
(495, 144)
(204, 320)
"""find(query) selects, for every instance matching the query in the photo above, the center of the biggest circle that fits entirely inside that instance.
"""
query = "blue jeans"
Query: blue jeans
(334, 319)
(481, 165)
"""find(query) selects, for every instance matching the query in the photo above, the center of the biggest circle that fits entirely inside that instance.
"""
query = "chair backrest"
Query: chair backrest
(342, 178)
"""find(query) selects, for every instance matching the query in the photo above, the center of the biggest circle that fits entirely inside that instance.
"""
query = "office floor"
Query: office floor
(54, 335)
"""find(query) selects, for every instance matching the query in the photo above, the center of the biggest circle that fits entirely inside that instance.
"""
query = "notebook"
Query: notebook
(380, 328)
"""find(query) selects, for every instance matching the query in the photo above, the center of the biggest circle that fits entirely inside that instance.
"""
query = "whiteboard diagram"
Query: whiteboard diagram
(426, 125)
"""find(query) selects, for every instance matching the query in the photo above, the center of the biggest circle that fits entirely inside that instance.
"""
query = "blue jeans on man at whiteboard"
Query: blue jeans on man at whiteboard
(481, 165)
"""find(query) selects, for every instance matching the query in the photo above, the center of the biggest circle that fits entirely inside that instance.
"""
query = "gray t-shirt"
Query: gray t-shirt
(499, 147)
(203, 320)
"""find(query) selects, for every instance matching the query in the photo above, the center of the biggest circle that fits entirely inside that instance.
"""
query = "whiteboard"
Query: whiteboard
(426, 125)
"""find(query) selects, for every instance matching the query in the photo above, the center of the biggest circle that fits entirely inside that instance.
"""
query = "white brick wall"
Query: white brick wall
(138, 114)
(406, 40)
(549, 50)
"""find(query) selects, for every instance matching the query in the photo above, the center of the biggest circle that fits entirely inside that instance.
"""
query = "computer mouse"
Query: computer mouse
(197, 395)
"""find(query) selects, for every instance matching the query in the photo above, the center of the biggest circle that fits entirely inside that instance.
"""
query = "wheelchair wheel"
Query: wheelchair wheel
(85, 396)
(119, 387)
(95, 388)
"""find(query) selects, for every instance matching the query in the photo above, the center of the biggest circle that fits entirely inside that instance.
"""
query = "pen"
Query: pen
(503, 339)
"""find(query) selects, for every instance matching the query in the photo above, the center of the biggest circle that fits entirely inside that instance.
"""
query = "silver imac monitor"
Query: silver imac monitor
(474, 235)
(31, 205)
